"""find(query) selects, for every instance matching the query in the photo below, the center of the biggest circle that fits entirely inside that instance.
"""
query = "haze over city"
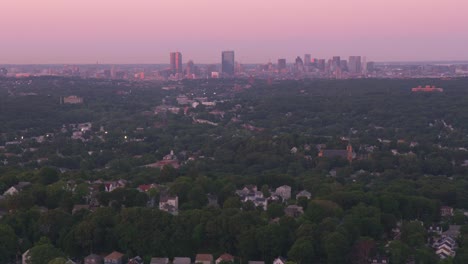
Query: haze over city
(144, 31)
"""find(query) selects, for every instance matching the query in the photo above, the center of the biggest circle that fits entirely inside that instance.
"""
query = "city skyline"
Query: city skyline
(124, 32)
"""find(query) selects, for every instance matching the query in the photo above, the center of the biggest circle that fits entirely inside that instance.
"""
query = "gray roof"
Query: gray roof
(181, 260)
(159, 261)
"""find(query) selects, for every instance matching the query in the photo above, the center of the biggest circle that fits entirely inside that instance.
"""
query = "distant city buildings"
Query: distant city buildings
(307, 59)
(227, 63)
(354, 64)
(301, 67)
(281, 64)
(176, 62)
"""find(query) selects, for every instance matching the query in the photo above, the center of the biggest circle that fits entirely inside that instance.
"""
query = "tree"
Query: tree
(48, 175)
(8, 242)
(58, 261)
(399, 252)
(336, 248)
(43, 252)
(302, 251)
(413, 234)
(275, 210)
(232, 202)
(362, 250)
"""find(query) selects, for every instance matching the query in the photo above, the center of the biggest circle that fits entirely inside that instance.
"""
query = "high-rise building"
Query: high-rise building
(281, 64)
(364, 65)
(190, 68)
(335, 63)
(344, 65)
(307, 59)
(176, 62)
(299, 64)
(370, 66)
(227, 63)
(321, 64)
(354, 64)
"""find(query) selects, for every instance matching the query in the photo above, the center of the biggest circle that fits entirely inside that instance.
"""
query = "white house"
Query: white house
(284, 192)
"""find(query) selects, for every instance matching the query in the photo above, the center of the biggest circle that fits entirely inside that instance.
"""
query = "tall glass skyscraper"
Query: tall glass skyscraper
(176, 62)
(227, 63)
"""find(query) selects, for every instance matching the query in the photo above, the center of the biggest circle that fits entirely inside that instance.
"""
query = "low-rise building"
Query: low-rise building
(114, 258)
(225, 258)
(204, 259)
(284, 192)
(93, 259)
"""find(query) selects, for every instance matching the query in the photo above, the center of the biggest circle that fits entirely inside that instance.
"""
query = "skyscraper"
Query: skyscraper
(176, 62)
(354, 64)
(336, 62)
(227, 63)
(281, 64)
(307, 59)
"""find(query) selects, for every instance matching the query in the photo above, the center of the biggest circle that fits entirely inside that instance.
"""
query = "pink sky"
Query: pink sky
(145, 31)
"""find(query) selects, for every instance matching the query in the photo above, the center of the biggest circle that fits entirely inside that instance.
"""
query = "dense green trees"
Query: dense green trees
(408, 164)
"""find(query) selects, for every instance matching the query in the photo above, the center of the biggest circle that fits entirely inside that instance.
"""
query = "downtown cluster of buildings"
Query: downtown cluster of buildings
(307, 66)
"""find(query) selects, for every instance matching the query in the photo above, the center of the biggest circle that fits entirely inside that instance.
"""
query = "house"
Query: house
(227, 258)
(294, 211)
(25, 257)
(135, 260)
(79, 207)
(16, 188)
(114, 258)
(146, 187)
(159, 261)
(168, 160)
(334, 153)
(11, 191)
(284, 192)
(93, 259)
(212, 200)
(303, 193)
(427, 89)
(379, 260)
(181, 260)
(250, 193)
(112, 185)
(169, 203)
(72, 99)
(445, 247)
(446, 211)
(204, 259)
(279, 260)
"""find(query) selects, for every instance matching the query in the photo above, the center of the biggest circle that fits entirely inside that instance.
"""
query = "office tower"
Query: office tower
(227, 63)
(370, 66)
(281, 64)
(354, 64)
(307, 59)
(321, 64)
(299, 64)
(364, 65)
(335, 63)
(190, 68)
(344, 65)
(176, 62)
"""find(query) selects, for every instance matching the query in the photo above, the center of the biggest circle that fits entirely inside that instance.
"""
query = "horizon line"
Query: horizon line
(219, 63)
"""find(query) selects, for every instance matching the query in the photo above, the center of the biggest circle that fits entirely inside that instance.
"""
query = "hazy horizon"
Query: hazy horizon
(145, 31)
